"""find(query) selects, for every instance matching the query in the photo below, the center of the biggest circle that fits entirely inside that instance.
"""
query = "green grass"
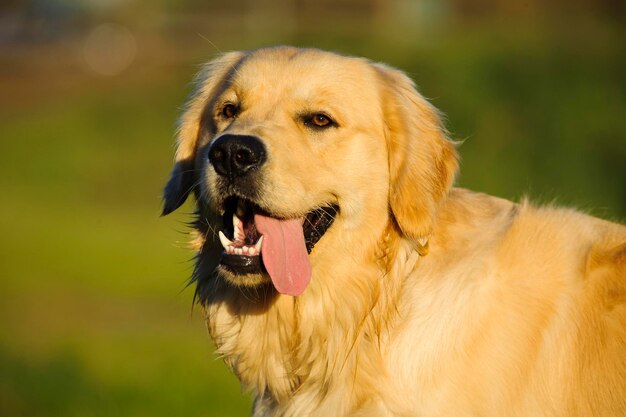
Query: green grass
(94, 315)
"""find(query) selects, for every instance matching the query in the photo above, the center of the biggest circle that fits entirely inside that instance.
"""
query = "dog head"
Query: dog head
(308, 157)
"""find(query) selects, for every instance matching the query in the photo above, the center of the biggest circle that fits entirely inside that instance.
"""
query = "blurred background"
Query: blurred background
(95, 319)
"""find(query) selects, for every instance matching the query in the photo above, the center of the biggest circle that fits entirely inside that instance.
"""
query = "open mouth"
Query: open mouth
(255, 242)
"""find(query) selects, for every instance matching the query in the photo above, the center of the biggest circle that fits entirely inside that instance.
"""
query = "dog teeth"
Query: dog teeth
(226, 243)
(238, 232)
(231, 249)
(257, 246)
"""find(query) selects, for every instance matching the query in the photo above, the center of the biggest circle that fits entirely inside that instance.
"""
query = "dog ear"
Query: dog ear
(422, 160)
(209, 80)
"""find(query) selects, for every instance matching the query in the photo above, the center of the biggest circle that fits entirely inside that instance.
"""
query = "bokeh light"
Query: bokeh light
(109, 49)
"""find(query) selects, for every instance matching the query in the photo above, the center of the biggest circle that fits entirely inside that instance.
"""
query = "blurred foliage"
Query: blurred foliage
(95, 318)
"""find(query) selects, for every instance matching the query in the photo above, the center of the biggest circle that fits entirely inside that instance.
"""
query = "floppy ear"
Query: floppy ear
(422, 160)
(207, 84)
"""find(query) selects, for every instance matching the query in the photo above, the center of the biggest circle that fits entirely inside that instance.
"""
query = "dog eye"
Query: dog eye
(230, 110)
(318, 120)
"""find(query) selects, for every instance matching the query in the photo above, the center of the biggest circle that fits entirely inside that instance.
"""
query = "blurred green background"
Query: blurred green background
(95, 319)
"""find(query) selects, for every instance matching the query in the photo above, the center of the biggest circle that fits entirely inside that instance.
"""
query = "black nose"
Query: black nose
(235, 155)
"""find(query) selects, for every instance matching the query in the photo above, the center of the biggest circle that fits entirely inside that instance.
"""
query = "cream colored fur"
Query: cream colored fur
(515, 310)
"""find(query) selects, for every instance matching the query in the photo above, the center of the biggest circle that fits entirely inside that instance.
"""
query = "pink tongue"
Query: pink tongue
(284, 253)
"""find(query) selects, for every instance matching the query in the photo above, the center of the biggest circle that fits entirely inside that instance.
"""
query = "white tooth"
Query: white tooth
(259, 244)
(238, 228)
(226, 243)
(238, 251)
(246, 250)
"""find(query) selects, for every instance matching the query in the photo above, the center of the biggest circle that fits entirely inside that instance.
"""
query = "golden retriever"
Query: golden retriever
(343, 275)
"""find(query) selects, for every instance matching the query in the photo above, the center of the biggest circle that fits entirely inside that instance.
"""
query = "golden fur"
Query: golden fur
(425, 300)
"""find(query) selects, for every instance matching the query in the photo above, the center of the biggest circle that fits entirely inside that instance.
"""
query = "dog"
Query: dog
(342, 274)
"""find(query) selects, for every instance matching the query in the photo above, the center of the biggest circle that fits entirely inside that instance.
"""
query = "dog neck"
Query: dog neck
(265, 337)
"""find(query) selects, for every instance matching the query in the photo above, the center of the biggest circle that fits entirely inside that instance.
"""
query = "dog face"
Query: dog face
(305, 153)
